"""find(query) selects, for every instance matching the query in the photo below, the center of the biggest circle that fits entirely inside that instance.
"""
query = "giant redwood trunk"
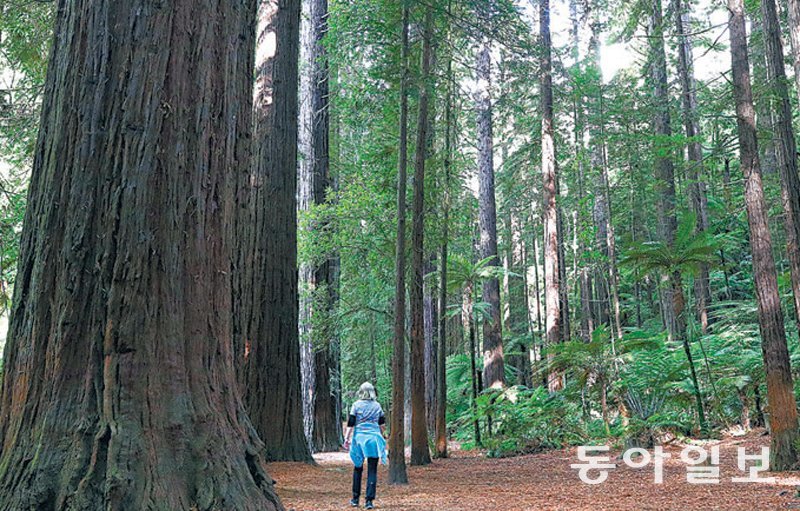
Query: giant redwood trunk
(119, 389)
(420, 454)
(780, 393)
(318, 279)
(268, 218)
(397, 459)
(493, 363)
(552, 253)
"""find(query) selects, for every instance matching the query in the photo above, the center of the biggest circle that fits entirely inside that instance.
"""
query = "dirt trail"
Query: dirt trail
(538, 482)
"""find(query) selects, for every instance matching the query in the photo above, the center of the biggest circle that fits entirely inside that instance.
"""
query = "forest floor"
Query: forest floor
(471, 482)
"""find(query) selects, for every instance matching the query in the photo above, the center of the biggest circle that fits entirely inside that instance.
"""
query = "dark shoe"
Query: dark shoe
(354, 503)
(369, 505)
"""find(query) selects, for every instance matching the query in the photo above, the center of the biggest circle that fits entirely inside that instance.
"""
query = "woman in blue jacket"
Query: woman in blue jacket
(366, 425)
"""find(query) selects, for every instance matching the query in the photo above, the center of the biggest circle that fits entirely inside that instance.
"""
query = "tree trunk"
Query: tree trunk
(431, 338)
(397, 459)
(672, 293)
(493, 362)
(765, 121)
(420, 454)
(271, 372)
(317, 299)
(552, 263)
(697, 187)
(782, 406)
(469, 328)
(119, 389)
(786, 149)
(441, 357)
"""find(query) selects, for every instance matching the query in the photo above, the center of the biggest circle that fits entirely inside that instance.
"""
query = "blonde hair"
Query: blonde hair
(367, 392)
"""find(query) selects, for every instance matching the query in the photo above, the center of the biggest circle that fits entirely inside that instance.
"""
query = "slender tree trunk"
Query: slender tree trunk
(587, 316)
(271, 371)
(441, 359)
(420, 454)
(397, 459)
(552, 262)
(780, 391)
(469, 327)
(672, 293)
(431, 338)
(603, 188)
(538, 293)
(786, 149)
(317, 298)
(697, 187)
(765, 120)
(119, 388)
(493, 363)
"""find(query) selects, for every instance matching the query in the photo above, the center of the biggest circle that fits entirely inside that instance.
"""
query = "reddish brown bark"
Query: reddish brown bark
(552, 260)
(268, 220)
(119, 389)
(420, 454)
(397, 460)
(780, 393)
(785, 145)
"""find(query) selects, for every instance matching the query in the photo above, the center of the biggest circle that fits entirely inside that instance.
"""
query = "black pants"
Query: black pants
(372, 479)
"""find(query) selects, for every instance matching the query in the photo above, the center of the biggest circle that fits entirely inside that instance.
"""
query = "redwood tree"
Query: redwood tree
(780, 390)
(318, 279)
(552, 254)
(493, 363)
(268, 219)
(785, 145)
(119, 389)
(420, 454)
(397, 459)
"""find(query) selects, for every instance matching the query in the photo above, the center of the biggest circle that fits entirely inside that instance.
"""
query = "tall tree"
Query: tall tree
(493, 363)
(441, 355)
(780, 389)
(785, 146)
(552, 255)
(318, 279)
(673, 298)
(119, 389)
(397, 457)
(420, 454)
(271, 372)
(697, 187)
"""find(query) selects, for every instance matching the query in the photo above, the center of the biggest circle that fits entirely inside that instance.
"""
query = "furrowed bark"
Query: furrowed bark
(493, 363)
(119, 390)
(397, 460)
(780, 391)
(271, 369)
(420, 454)
(785, 145)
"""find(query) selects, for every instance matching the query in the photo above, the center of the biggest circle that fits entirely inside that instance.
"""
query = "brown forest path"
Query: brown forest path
(542, 481)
